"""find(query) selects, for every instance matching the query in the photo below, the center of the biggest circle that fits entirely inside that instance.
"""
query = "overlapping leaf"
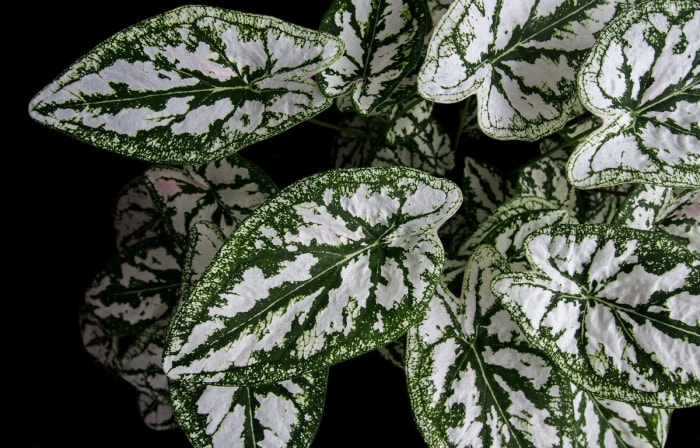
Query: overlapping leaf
(383, 41)
(611, 424)
(642, 77)
(617, 309)
(191, 85)
(334, 266)
(473, 379)
(519, 60)
(223, 192)
(284, 414)
(136, 217)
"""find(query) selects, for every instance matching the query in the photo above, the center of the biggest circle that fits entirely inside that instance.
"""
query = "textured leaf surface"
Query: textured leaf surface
(336, 265)
(190, 86)
(617, 309)
(473, 379)
(643, 78)
(205, 240)
(138, 286)
(284, 414)
(612, 424)
(383, 41)
(136, 217)
(519, 60)
(223, 192)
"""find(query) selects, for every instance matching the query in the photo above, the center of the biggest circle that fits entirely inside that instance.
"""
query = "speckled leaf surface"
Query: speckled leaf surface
(473, 379)
(642, 77)
(191, 85)
(430, 150)
(138, 286)
(520, 60)
(223, 192)
(383, 41)
(335, 265)
(616, 424)
(408, 122)
(204, 241)
(284, 414)
(617, 309)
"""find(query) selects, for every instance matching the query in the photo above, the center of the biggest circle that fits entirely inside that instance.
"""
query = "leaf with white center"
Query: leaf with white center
(616, 424)
(223, 192)
(284, 414)
(141, 366)
(205, 240)
(336, 265)
(383, 41)
(520, 60)
(356, 146)
(430, 150)
(137, 287)
(408, 122)
(617, 309)
(191, 85)
(136, 217)
(642, 77)
(473, 379)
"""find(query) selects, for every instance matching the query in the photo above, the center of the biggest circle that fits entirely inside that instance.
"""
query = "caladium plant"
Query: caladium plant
(548, 300)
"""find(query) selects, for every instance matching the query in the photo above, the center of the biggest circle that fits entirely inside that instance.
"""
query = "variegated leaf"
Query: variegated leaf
(617, 309)
(191, 85)
(642, 77)
(336, 265)
(407, 123)
(223, 192)
(430, 150)
(141, 366)
(383, 41)
(437, 9)
(519, 60)
(600, 206)
(138, 286)
(469, 120)
(357, 148)
(473, 379)
(483, 188)
(616, 424)
(683, 219)
(284, 414)
(101, 343)
(136, 217)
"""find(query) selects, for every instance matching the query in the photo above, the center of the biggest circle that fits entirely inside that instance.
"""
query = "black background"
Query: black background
(59, 229)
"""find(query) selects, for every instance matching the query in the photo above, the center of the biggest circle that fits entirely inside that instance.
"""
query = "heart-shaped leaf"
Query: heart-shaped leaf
(336, 265)
(191, 85)
(642, 77)
(520, 61)
(473, 379)
(383, 41)
(617, 309)
(223, 192)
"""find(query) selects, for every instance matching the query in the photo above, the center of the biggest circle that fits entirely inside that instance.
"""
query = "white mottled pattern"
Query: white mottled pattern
(564, 321)
(424, 200)
(637, 287)
(684, 307)
(278, 416)
(607, 262)
(680, 358)
(466, 393)
(200, 119)
(247, 55)
(372, 207)
(322, 226)
(395, 289)
(528, 365)
(203, 60)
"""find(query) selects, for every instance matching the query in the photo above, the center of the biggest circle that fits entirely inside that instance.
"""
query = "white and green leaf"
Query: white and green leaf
(383, 42)
(642, 77)
(519, 60)
(429, 150)
(617, 309)
(137, 287)
(283, 414)
(473, 378)
(191, 85)
(484, 188)
(223, 192)
(600, 206)
(357, 145)
(204, 241)
(406, 123)
(336, 265)
(612, 424)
